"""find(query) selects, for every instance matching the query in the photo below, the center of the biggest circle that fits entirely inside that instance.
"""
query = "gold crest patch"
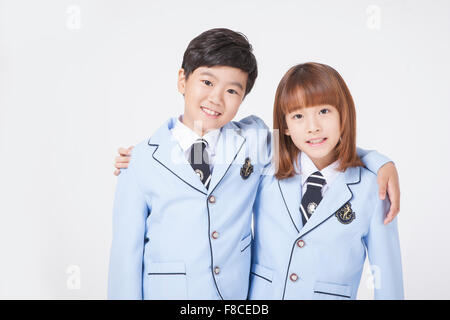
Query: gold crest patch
(246, 169)
(345, 214)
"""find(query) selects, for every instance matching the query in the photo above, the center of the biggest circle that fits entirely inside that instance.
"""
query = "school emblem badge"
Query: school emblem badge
(345, 214)
(246, 169)
(199, 173)
(311, 207)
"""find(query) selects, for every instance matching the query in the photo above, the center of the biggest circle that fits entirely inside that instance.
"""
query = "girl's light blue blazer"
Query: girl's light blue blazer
(324, 258)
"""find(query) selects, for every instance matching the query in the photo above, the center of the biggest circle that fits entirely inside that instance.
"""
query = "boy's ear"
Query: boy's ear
(181, 81)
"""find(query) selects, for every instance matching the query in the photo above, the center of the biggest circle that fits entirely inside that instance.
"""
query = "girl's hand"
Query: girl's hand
(123, 159)
(388, 181)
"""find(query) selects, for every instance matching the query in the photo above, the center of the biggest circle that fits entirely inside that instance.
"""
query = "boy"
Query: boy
(182, 212)
(176, 236)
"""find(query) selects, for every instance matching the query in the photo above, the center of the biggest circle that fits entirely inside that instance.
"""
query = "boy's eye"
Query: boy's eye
(207, 82)
(297, 116)
(232, 91)
(324, 111)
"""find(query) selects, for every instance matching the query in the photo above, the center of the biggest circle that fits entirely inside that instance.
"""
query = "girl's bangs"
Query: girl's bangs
(303, 94)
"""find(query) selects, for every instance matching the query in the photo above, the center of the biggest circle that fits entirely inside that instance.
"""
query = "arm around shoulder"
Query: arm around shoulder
(372, 159)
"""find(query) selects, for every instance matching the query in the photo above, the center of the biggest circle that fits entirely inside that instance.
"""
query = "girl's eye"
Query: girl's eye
(232, 91)
(324, 111)
(297, 116)
(207, 82)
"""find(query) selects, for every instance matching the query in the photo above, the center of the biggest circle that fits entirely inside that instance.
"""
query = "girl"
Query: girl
(319, 214)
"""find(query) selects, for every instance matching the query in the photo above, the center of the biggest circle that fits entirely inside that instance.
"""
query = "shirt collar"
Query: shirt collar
(307, 167)
(186, 137)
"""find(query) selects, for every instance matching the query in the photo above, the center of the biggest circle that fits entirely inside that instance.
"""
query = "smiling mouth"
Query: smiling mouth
(210, 112)
(316, 142)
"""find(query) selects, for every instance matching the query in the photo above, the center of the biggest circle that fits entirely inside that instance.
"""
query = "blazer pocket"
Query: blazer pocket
(261, 283)
(262, 272)
(332, 291)
(245, 243)
(166, 280)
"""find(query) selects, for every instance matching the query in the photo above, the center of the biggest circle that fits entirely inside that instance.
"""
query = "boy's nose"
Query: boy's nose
(215, 97)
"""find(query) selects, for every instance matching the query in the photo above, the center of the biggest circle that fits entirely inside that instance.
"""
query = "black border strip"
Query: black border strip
(153, 156)
(260, 276)
(287, 208)
(332, 294)
(166, 273)
(247, 246)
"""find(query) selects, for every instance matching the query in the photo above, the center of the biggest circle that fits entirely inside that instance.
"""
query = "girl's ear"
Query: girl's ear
(181, 81)
(286, 132)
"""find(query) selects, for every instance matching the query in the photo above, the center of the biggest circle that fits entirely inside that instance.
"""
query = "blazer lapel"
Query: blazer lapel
(229, 144)
(338, 195)
(291, 191)
(170, 155)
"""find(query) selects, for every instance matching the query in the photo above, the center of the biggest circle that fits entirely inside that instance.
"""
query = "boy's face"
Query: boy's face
(316, 132)
(212, 96)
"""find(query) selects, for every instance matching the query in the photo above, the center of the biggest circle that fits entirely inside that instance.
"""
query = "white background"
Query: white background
(81, 78)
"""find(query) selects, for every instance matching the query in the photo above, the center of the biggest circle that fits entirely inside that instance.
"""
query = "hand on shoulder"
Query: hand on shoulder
(123, 159)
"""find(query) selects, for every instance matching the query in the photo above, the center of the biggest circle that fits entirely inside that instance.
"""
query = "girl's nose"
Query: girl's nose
(313, 125)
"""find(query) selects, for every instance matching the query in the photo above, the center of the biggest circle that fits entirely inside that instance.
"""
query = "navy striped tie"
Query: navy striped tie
(312, 196)
(200, 162)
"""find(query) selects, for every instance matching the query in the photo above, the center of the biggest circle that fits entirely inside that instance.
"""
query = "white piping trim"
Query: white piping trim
(207, 180)
(314, 184)
(304, 213)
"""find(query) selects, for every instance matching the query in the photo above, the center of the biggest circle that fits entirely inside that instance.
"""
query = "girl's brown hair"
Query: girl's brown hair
(306, 85)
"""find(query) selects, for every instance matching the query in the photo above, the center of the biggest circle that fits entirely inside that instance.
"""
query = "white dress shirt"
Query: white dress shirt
(186, 138)
(307, 167)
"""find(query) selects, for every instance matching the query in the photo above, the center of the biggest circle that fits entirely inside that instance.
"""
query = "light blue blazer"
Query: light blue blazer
(173, 238)
(324, 258)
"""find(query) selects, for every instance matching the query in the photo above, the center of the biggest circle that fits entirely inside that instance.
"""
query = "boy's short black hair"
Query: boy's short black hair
(221, 47)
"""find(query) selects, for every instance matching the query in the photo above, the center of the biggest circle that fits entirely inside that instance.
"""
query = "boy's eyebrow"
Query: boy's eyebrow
(237, 84)
(206, 73)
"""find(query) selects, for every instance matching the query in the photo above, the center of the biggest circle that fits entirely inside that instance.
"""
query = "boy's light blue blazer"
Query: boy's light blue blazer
(173, 238)
(326, 255)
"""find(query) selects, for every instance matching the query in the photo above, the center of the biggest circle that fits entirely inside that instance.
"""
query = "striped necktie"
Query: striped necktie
(312, 196)
(200, 162)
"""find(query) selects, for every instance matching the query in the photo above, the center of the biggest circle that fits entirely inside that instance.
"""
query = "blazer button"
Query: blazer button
(293, 277)
(216, 270)
(301, 243)
(212, 199)
(215, 235)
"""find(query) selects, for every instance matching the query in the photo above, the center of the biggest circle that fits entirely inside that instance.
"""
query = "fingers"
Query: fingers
(122, 162)
(393, 212)
(382, 186)
(121, 165)
(124, 152)
(123, 159)
(394, 197)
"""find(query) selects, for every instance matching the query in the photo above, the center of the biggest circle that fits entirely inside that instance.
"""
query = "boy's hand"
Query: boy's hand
(388, 181)
(123, 159)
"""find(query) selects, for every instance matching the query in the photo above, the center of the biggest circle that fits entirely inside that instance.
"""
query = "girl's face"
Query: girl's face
(316, 132)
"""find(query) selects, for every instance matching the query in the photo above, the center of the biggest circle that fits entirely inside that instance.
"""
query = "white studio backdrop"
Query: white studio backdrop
(81, 78)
